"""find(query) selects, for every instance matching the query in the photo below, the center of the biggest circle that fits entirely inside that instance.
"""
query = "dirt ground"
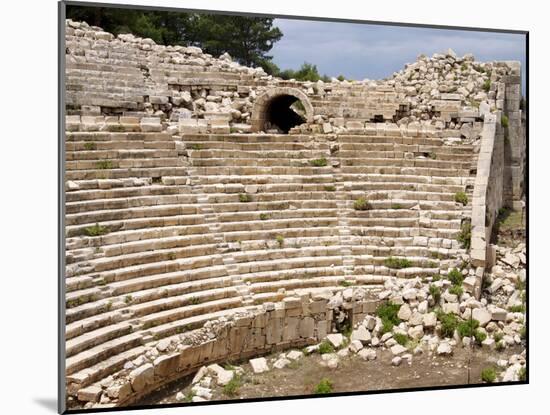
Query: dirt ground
(353, 374)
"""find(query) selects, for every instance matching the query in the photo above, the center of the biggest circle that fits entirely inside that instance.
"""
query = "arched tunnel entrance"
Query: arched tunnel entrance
(281, 109)
(284, 112)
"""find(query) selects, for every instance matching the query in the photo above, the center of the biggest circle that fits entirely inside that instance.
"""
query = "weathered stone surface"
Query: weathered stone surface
(336, 339)
(259, 365)
(142, 376)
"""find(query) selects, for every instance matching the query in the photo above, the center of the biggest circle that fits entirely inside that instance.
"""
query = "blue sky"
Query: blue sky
(360, 51)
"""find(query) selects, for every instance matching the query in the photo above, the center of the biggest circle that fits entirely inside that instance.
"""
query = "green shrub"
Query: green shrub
(280, 240)
(104, 164)
(467, 328)
(461, 197)
(456, 290)
(465, 235)
(361, 204)
(322, 162)
(435, 292)
(517, 309)
(448, 323)
(486, 85)
(232, 387)
(498, 336)
(345, 283)
(245, 198)
(488, 375)
(326, 347)
(263, 216)
(401, 338)
(330, 188)
(89, 145)
(504, 121)
(341, 78)
(455, 276)
(96, 230)
(323, 387)
(397, 263)
(388, 314)
(480, 336)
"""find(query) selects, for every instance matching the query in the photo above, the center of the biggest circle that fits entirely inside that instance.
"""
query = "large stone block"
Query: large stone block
(166, 365)
(142, 376)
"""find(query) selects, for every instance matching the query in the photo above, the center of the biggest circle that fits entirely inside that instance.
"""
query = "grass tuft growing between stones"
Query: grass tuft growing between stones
(326, 347)
(401, 338)
(362, 204)
(504, 121)
(465, 235)
(397, 263)
(89, 146)
(323, 387)
(488, 375)
(467, 328)
(448, 322)
(388, 314)
(104, 164)
(455, 276)
(322, 162)
(461, 197)
(96, 230)
(232, 387)
(435, 292)
(245, 198)
(280, 240)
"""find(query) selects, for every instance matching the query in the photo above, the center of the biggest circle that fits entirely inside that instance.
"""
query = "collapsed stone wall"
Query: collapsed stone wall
(294, 322)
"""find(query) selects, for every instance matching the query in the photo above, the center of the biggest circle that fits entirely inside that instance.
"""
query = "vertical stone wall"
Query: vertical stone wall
(515, 140)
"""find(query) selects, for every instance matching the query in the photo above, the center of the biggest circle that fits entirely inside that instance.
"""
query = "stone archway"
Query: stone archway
(273, 106)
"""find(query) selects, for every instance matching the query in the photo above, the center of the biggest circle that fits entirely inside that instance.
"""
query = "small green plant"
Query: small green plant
(504, 121)
(480, 336)
(189, 396)
(344, 283)
(498, 336)
(330, 188)
(108, 306)
(245, 198)
(401, 338)
(128, 299)
(96, 230)
(463, 67)
(523, 333)
(264, 216)
(322, 162)
(280, 240)
(361, 204)
(171, 256)
(341, 78)
(436, 277)
(323, 387)
(435, 292)
(522, 374)
(89, 146)
(104, 164)
(396, 206)
(397, 263)
(456, 290)
(461, 197)
(500, 346)
(467, 328)
(326, 347)
(455, 276)
(486, 85)
(232, 387)
(388, 314)
(432, 155)
(488, 375)
(448, 323)
(465, 235)
(517, 308)
(195, 146)
(194, 300)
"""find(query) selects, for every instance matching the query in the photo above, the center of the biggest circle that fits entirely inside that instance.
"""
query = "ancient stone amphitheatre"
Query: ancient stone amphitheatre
(221, 223)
